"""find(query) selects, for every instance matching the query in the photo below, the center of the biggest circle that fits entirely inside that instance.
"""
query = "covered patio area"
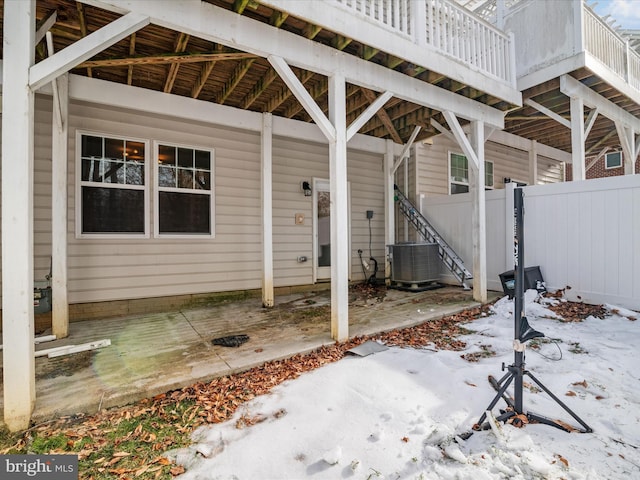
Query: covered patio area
(154, 353)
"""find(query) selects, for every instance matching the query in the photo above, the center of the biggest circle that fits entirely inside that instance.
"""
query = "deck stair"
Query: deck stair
(450, 258)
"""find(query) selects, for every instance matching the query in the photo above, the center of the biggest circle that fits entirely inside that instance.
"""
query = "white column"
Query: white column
(405, 190)
(339, 213)
(577, 139)
(59, 149)
(17, 214)
(509, 225)
(266, 152)
(389, 206)
(478, 220)
(533, 163)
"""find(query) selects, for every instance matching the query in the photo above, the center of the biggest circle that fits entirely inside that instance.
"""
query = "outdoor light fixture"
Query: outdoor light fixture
(306, 188)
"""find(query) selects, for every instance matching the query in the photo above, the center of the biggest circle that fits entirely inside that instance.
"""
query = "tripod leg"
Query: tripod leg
(587, 428)
(509, 378)
(496, 386)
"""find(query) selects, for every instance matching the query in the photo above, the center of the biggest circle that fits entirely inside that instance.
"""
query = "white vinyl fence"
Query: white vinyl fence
(583, 235)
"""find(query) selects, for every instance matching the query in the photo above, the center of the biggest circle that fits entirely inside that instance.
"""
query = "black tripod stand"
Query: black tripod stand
(514, 413)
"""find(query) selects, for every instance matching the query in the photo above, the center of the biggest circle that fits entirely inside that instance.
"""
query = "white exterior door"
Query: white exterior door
(322, 229)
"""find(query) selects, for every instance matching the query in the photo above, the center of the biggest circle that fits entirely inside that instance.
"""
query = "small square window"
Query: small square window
(613, 160)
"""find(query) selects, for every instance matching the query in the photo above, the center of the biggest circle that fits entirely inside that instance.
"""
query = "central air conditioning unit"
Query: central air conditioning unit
(414, 266)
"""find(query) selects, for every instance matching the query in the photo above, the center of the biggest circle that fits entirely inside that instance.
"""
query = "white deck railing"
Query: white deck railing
(610, 48)
(447, 27)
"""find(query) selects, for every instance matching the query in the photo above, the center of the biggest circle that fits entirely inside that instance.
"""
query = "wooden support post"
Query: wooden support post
(577, 139)
(17, 214)
(266, 154)
(59, 148)
(478, 220)
(533, 163)
(389, 206)
(339, 214)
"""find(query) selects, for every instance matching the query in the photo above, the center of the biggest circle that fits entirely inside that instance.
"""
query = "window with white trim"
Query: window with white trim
(112, 189)
(184, 201)
(613, 160)
(459, 174)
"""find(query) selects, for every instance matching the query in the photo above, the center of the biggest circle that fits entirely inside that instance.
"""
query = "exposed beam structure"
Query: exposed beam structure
(259, 88)
(42, 73)
(241, 70)
(45, 25)
(590, 121)
(132, 52)
(573, 88)
(303, 96)
(443, 130)
(370, 111)
(548, 112)
(205, 71)
(179, 47)
(285, 93)
(83, 28)
(383, 116)
(242, 33)
(405, 151)
(167, 59)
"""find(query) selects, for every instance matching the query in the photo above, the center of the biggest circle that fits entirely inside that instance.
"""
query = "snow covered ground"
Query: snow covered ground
(396, 414)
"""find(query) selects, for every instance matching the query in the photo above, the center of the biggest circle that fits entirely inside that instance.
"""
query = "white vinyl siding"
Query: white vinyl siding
(109, 269)
(507, 163)
(105, 269)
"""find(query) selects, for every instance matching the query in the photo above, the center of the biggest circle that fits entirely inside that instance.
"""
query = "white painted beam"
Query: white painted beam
(549, 113)
(478, 216)
(17, 214)
(590, 121)
(365, 116)
(596, 158)
(389, 207)
(199, 19)
(577, 139)
(309, 104)
(266, 177)
(573, 88)
(85, 48)
(462, 139)
(405, 150)
(626, 136)
(46, 26)
(521, 143)
(443, 130)
(339, 210)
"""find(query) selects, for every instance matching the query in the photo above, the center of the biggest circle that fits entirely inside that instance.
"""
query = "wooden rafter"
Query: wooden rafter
(206, 70)
(233, 81)
(340, 42)
(369, 52)
(278, 18)
(165, 59)
(259, 87)
(132, 52)
(285, 93)
(83, 28)
(383, 116)
(180, 47)
(315, 92)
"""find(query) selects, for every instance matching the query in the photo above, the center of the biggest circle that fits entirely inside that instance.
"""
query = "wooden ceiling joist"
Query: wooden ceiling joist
(240, 71)
(180, 47)
(259, 88)
(205, 72)
(382, 115)
(83, 29)
(132, 52)
(166, 59)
